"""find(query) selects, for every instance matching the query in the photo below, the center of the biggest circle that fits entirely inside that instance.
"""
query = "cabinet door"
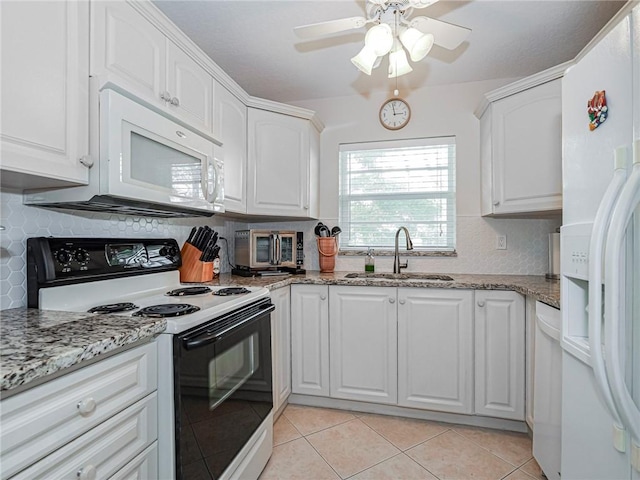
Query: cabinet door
(126, 45)
(363, 343)
(435, 349)
(530, 330)
(190, 88)
(44, 90)
(499, 359)
(281, 346)
(310, 339)
(527, 150)
(278, 167)
(230, 127)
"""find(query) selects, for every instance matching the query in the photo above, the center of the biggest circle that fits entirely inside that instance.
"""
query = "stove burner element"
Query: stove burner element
(182, 292)
(167, 310)
(223, 292)
(113, 308)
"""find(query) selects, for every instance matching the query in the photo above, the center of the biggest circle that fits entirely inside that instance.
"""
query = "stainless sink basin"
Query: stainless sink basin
(401, 276)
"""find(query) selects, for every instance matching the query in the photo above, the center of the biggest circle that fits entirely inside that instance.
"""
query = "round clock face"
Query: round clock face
(395, 114)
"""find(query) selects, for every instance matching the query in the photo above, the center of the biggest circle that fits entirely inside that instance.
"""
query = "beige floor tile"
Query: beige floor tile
(284, 431)
(297, 460)
(399, 467)
(532, 468)
(518, 475)
(404, 433)
(351, 447)
(513, 447)
(310, 419)
(451, 456)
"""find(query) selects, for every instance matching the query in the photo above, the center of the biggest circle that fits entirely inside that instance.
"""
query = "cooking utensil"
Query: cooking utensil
(335, 231)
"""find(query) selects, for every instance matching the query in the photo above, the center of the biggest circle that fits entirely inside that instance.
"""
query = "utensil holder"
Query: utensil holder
(192, 269)
(328, 249)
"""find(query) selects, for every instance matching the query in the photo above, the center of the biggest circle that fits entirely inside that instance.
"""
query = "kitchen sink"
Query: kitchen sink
(400, 276)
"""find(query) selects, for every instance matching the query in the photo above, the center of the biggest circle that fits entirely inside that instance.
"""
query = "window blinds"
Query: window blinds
(385, 185)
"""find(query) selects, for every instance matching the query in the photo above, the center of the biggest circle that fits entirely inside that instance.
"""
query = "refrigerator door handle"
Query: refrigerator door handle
(628, 201)
(600, 225)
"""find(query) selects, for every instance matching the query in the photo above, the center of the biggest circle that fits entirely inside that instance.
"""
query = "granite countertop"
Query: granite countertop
(38, 343)
(537, 286)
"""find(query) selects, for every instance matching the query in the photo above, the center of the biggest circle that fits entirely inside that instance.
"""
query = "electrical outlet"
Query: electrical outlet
(501, 242)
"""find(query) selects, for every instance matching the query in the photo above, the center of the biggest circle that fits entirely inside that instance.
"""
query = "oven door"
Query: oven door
(148, 157)
(273, 249)
(223, 389)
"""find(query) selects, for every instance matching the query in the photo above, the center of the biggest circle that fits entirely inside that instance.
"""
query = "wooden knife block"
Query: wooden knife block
(192, 269)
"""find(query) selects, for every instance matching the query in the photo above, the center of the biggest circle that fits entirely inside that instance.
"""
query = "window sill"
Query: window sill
(403, 252)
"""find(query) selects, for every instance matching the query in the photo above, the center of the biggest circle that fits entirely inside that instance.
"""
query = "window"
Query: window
(385, 185)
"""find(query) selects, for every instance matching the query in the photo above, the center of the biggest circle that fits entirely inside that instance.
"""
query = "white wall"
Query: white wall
(435, 111)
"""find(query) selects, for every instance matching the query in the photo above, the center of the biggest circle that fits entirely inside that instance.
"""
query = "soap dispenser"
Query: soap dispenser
(369, 262)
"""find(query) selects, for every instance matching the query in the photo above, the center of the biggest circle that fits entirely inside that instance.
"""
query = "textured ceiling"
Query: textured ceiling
(253, 41)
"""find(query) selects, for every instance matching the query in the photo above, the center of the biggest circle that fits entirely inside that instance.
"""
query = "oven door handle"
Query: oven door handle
(212, 337)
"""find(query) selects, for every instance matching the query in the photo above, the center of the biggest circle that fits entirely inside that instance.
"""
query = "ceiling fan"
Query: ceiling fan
(393, 32)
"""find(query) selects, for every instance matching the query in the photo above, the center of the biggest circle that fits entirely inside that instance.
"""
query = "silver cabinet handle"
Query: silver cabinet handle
(480, 303)
(175, 101)
(166, 96)
(87, 406)
(392, 300)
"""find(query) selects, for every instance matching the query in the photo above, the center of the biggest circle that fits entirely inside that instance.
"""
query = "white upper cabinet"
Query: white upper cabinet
(500, 354)
(45, 102)
(521, 149)
(279, 150)
(132, 53)
(230, 127)
(435, 349)
(363, 340)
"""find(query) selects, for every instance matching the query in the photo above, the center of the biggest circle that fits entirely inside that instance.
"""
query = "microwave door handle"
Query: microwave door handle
(204, 179)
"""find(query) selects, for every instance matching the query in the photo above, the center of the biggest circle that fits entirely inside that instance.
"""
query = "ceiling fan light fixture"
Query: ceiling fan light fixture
(418, 44)
(398, 63)
(365, 60)
(379, 39)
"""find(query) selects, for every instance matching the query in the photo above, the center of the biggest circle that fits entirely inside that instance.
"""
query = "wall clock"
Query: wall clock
(395, 113)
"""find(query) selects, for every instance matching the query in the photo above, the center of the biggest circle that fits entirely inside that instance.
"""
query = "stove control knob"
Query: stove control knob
(63, 257)
(81, 256)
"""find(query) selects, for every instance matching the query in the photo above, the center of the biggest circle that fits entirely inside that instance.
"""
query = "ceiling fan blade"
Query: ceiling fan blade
(445, 34)
(421, 3)
(332, 26)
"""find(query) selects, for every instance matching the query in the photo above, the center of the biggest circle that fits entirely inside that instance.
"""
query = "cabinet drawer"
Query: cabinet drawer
(144, 466)
(42, 419)
(104, 450)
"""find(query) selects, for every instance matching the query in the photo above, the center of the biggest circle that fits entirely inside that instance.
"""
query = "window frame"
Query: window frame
(449, 194)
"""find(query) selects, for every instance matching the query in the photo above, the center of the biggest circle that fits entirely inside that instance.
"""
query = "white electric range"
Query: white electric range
(214, 370)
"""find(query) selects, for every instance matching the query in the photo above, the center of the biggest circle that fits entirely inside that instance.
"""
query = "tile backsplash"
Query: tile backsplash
(526, 252)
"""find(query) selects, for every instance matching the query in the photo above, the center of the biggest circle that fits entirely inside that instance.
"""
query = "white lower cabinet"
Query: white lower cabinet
(500, 354)
(363, 343)
(447, 350)
(310, 339)
(281, 346)
(435, 349)
(144, 466)
(95, 419)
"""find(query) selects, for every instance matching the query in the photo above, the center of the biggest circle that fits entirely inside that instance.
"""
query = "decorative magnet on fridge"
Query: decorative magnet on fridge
(597, 110)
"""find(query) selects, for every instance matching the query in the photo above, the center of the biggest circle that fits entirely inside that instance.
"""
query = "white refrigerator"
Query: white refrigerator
(600, 246)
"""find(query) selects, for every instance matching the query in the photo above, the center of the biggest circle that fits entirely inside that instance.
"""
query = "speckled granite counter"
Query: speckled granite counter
(37, 343)
(546, 291)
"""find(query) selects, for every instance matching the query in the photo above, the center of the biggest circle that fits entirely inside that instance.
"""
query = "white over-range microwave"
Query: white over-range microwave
(147, 164)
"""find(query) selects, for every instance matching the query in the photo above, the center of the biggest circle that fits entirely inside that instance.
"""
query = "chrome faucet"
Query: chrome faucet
(397, 266)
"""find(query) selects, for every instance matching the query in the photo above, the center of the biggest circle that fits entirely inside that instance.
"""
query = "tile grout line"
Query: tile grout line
(323, 459)
(489, 451)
